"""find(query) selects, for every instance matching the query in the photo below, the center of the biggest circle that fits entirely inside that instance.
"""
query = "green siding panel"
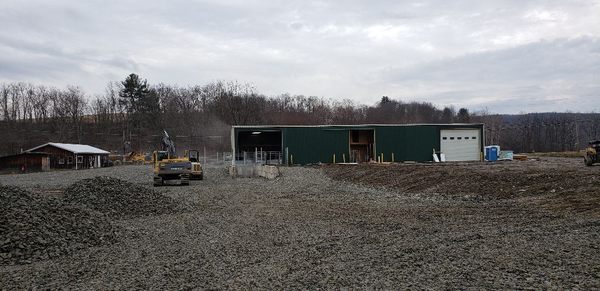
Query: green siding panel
(407, 143)
(313, 145)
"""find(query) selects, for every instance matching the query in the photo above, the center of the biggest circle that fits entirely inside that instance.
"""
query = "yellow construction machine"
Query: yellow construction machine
(592, 153)
(168, 168)
(194, 157)
(138, 158)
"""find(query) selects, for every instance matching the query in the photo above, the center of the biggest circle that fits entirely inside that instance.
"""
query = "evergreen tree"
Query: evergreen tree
(141, 104)
(448, 115)
(134, 94)
(463, 116)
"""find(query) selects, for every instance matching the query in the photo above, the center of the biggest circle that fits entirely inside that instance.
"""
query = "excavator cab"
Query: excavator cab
(193, 156)
(159, 156)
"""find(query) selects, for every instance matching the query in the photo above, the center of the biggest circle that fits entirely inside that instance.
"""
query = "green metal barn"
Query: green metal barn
(289, 144)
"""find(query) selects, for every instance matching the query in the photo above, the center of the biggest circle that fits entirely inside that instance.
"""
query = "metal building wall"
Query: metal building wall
(407, 143)
(307, 145)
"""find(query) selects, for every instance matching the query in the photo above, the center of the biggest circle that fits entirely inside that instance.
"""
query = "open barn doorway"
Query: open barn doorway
(362, 143)
(259, 146)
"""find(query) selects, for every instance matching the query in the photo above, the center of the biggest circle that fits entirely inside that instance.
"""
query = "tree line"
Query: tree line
(131, 115)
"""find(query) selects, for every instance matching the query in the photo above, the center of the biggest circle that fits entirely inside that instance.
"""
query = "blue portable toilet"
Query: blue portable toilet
(491, 153)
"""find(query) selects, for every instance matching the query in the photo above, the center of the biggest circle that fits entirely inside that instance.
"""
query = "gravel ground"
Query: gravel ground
(307, 230)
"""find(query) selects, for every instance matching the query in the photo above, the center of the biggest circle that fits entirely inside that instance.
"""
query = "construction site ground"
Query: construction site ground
(531, 224)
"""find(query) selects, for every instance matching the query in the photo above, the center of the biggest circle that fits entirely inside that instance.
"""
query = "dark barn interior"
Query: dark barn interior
(267, 141)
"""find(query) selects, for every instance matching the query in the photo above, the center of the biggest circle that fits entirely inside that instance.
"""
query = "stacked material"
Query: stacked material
(35, 228)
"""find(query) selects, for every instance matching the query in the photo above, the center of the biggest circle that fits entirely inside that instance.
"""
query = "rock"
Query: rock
(34, 227)
(118, 198)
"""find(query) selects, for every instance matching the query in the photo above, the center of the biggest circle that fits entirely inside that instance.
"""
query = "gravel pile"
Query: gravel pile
(118, 198)
(35, 228)
(139, 174)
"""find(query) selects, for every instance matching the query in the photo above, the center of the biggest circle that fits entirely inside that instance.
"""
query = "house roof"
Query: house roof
(74, 148)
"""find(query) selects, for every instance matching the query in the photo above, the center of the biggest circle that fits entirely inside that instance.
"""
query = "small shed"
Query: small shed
(73, 156)
(25, 162)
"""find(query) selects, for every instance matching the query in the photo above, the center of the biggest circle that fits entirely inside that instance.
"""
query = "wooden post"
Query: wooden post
(344, 157)
(292, 159)
(392, 157)
(334, 158)
(287, 156)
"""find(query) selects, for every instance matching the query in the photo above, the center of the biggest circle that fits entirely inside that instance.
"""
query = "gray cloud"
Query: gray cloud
(557, 75)
(471, 53)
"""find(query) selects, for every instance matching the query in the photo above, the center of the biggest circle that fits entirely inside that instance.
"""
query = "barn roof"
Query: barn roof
(74, 148)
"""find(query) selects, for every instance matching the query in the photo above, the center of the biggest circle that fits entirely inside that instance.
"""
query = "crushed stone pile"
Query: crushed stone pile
(118, 198)
(36, 228)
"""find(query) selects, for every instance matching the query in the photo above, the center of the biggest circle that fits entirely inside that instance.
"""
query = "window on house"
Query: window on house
(69, 160)
(451, 138)
(79, 159)
(61, 161)
(444, 138)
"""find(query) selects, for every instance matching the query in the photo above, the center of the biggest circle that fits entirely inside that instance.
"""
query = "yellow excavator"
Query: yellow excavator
(169, 169)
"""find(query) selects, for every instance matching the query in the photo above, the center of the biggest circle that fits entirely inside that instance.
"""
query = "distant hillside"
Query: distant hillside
(132, 114)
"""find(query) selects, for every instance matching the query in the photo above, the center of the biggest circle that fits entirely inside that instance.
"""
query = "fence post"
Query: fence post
(287, 157)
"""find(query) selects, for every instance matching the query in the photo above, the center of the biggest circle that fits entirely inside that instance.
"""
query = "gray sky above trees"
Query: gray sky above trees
(508, 56)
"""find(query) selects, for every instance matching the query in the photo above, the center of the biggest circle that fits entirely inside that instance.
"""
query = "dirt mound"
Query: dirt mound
(488, 180)
(567, 189)
(35, 228)
(118, 198)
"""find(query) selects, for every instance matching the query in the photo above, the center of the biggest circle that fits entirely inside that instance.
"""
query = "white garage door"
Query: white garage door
(461, 144)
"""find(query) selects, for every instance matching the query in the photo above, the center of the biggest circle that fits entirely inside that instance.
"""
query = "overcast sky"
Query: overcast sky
(507, 56)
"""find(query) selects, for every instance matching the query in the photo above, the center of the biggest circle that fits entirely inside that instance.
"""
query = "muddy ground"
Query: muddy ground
(511, 225)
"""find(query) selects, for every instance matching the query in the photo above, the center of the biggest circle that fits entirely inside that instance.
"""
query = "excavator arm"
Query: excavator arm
(168, 145)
